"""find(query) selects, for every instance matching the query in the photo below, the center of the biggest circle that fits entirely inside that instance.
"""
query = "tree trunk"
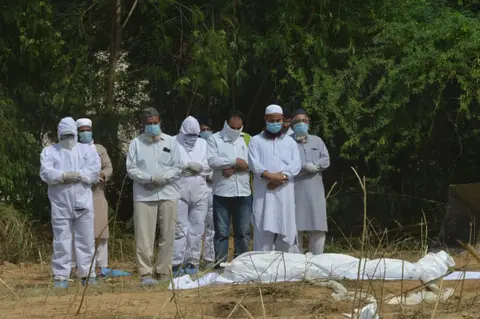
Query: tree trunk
(108, 135)
(115, 40)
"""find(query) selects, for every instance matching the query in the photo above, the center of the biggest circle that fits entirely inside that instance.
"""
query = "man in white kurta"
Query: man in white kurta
(70, 169)
(274, 159)
(193, 203)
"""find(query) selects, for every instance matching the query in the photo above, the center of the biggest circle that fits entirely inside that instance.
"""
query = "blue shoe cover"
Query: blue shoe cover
(91, 281)
(61, 284)
(191, 269)
(178, 271)
(148, 281)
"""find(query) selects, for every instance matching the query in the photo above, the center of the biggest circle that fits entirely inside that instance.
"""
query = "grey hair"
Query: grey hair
(149, 112)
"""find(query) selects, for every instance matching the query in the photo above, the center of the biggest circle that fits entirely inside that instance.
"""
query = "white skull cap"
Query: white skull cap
(273, 109)
(84, 122)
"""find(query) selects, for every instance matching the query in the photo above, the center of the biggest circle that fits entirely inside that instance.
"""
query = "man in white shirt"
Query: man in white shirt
(153, 163)
(274, 159)
(227, 156)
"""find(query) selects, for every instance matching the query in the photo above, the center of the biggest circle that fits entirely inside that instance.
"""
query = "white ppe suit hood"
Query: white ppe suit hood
(190, 126)
(189, 132)
(67, 126)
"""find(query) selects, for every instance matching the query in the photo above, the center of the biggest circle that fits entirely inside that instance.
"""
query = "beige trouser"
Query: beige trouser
(145, 218)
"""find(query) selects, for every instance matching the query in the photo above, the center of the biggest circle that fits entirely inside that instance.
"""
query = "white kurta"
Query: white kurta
(274, 210)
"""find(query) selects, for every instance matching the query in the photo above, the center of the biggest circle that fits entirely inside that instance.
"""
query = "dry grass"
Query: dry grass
(124, 298)
(18, 242)
(26, 290)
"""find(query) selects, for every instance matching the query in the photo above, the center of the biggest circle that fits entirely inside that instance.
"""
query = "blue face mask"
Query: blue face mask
(300, 128)
(205, 134)
(85, 137)
(274, 128)
(152, 130)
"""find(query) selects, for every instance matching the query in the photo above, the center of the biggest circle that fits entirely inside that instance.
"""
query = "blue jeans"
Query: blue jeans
(240, 209)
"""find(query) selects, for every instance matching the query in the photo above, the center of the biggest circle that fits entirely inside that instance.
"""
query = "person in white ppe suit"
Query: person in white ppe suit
(274, 159)
(70, 169)
(208, 255)
(193, 203)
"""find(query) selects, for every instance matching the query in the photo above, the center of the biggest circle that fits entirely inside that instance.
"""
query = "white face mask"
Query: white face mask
(190, 141)
(68, 143)
(231, 133)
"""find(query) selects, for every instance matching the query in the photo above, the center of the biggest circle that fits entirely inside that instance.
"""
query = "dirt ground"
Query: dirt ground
(26, 292)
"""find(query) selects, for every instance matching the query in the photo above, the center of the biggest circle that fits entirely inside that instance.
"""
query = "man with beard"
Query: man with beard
(274, 159)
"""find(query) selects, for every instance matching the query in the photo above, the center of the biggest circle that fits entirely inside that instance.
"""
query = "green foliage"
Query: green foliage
(391, 86)
(393, 91)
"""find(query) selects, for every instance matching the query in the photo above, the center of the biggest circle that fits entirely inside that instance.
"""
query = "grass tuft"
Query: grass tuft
(18, 243)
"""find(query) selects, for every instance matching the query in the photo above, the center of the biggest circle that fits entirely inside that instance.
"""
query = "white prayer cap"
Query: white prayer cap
(273, 109)
(84, 122)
